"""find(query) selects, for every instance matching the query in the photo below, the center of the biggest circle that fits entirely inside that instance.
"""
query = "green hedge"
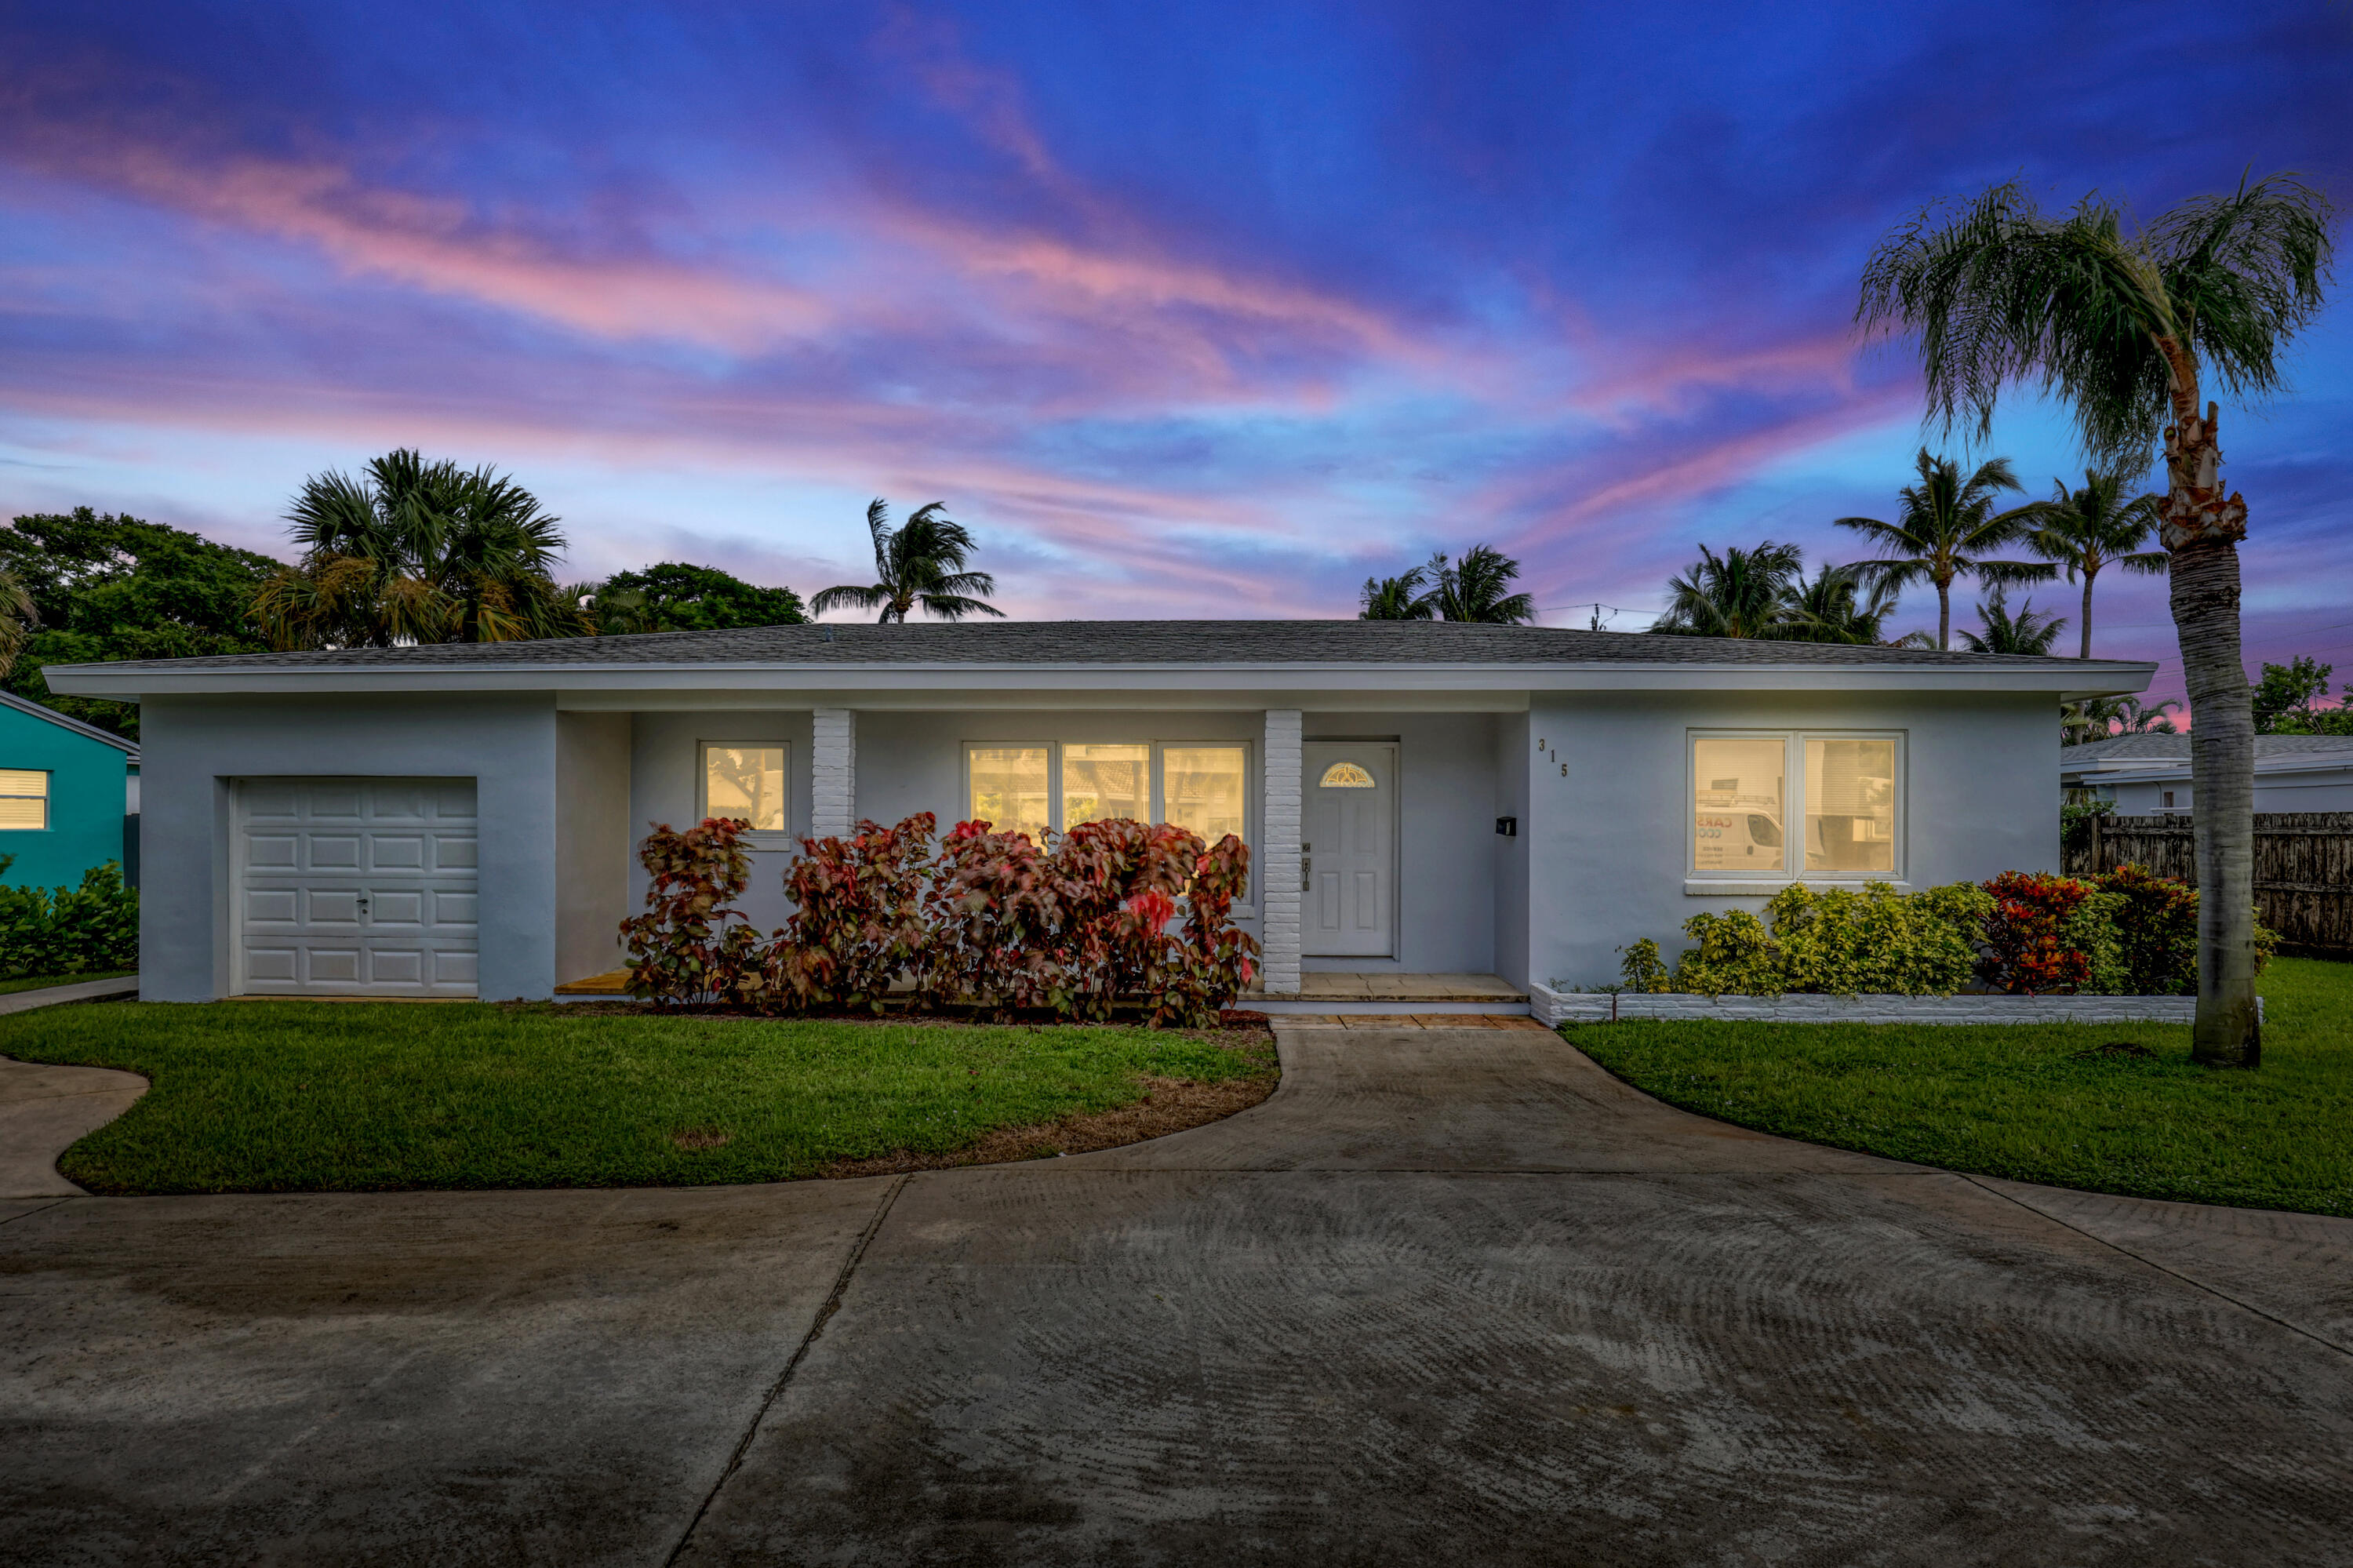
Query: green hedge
(70, 930)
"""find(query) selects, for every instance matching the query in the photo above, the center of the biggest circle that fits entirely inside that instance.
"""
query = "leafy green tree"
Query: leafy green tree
(920, 564)
(671, 596)
(2030, 631)
(1404, 596)
(2130, 330)
(2283, 700)
(2083, 531)
(107, 586)
(1945, 526)
(415, 551)
(1741, 593)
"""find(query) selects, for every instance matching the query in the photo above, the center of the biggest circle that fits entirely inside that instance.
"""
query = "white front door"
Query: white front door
(1347, 849)
(355, 887)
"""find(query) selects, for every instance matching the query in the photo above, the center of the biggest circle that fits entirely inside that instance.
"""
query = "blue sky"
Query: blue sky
(1197, 310)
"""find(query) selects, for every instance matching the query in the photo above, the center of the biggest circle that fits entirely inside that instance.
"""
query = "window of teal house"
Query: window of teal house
(24, 799)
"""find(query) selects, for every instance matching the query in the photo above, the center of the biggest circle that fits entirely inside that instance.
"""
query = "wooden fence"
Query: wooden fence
(2303, 868)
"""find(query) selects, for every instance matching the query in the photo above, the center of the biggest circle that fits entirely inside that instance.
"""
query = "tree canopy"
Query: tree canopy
(416, 551)
(108, 586)
(1475, 586)
(920, 564)
(2285, 700)
(673, 595)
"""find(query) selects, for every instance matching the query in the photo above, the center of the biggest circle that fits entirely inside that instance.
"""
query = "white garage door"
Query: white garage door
(355, 887)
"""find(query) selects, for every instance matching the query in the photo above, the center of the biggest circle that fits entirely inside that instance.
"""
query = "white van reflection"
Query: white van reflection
(1736, 829)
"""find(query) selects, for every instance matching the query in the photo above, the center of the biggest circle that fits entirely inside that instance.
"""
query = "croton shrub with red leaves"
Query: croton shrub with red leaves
(2027, 948)
(689, 946)
(988, 917)
(857, 920)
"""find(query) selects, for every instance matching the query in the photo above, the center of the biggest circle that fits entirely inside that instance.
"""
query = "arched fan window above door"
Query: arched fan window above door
(1345, 776)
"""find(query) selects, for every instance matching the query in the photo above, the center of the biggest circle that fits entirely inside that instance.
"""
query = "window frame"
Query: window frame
(47, 796)
(755, 839)
(1716, 879)
(1245, 906)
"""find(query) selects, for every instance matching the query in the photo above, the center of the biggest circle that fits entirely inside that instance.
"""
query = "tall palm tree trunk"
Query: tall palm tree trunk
(2087, 652)
(1945, 614)
(2202, 529)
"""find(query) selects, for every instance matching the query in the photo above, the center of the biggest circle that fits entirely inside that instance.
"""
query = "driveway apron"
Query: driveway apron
(1450, 1294)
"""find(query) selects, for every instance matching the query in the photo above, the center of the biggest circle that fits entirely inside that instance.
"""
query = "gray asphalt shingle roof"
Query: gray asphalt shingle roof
(2176, 749)
(1115, 642)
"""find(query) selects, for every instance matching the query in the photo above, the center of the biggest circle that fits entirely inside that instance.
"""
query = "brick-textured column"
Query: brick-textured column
(1278, 857)
(833, 773)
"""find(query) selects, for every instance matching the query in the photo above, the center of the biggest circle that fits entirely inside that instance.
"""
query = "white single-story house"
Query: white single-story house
(1419, 797)
(2148, 775)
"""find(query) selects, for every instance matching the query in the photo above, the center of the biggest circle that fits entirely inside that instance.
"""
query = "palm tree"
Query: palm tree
(2084, 530)
(1477, 588)
(2126, 328)
(919, 564)
(1401, 598)
(2029, 631)
(1741, 593)
(1840, 604)
(1944, 524)
(416, 552)
(2099, 718)
(2136, 719)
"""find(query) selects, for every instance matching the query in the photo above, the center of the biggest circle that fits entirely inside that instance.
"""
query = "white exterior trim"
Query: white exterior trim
(1279, 900)
(786, 686)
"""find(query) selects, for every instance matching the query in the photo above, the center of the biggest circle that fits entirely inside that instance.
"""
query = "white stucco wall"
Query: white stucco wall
(190, 748)
(592, 841)
(664, 749)
(1607, 842)
(1446, 837)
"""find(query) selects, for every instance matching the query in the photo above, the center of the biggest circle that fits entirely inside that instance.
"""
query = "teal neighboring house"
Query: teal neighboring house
(69, 797)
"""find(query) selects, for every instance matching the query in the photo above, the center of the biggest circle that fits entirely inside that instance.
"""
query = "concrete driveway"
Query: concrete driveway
(1452, 1295)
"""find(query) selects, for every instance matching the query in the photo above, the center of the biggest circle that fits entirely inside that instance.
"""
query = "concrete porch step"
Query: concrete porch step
(1353, 994)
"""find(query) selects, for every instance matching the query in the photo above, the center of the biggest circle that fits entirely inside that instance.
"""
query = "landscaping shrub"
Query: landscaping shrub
(1877, 940)
(2122, 933)
(70, 930)
(989, 917)
(689, 947)
(2033, 942)
(857, 920)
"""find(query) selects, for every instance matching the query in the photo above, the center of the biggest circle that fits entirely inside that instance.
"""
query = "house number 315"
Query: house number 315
(1542, 751)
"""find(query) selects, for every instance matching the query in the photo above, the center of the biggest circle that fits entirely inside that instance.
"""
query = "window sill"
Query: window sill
(1765, 886)
(769, 844)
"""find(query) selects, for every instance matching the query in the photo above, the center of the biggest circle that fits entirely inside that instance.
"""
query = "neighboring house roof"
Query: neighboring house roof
(2132, 758)
(1496, 656)
(128, 748)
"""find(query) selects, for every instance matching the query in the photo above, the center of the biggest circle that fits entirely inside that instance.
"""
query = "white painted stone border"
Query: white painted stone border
(1551, 1008)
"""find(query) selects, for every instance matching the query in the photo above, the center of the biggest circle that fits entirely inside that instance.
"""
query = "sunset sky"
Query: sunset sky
(1198, 310)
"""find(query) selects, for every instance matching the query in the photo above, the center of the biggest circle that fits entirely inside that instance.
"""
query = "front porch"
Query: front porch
(1342, 994)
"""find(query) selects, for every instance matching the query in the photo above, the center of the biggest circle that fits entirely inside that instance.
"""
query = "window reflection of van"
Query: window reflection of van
(1739, 836)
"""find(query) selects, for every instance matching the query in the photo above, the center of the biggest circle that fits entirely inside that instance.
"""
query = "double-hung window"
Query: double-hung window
(1032, 786)
(1780, 806)
(749, 781)
(24, 799)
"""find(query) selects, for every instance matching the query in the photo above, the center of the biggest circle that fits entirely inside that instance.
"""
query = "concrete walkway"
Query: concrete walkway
(1449, 1295)
(43, 1110)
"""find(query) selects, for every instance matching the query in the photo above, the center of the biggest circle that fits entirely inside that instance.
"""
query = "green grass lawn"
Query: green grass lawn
(2024, 1102)
(37, 982)
(309, 1096)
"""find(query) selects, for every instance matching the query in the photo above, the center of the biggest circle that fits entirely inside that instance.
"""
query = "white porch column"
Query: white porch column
(1277, 860)
(833, 773)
